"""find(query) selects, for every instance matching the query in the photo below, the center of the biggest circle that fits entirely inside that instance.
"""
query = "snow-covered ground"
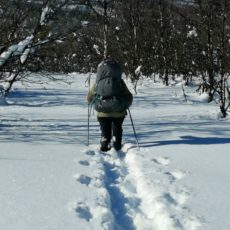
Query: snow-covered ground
(50, 179)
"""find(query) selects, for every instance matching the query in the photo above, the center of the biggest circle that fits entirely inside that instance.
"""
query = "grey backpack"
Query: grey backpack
(109, 92)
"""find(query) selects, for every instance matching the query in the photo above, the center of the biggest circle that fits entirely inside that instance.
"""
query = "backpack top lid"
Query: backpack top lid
(109, 68)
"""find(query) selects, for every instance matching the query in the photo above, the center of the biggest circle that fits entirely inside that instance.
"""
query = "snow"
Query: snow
(96, 47)
(44, 13)
(192, 33)
(50, 179)
(17, 49)
(84, 23)
(24, 56)
(138, 70)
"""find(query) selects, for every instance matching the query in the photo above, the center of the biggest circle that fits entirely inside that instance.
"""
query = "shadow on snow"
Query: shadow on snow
(188, 140)
(118, 201)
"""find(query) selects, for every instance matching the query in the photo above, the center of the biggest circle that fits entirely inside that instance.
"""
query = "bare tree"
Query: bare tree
(28, 26)
(223, 55)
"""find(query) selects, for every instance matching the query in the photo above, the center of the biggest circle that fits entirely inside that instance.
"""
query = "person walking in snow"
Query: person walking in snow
(110, 98)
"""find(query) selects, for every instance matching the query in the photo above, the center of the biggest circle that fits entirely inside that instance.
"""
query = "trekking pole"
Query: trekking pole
(134, 131)
(88, 110)
(88, 126)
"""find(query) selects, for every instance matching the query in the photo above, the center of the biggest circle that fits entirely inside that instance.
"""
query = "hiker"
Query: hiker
(110, 98)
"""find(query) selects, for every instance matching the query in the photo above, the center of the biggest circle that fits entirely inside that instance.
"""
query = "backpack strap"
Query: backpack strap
(104, 78)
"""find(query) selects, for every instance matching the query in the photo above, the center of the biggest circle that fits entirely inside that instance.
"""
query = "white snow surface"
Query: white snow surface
(50, 179)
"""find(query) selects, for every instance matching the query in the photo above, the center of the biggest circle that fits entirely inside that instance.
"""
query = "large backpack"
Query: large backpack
(109, 91)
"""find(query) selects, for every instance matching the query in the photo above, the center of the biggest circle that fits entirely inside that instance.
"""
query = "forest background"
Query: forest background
(166, 37)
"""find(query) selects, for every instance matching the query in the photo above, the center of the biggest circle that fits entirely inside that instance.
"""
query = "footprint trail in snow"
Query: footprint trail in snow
(128, 194)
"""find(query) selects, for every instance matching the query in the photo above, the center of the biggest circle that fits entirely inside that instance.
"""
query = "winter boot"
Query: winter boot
(105, 145)
(117, 143)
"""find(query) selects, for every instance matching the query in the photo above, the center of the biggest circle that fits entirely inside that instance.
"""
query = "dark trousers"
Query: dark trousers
(111, 127)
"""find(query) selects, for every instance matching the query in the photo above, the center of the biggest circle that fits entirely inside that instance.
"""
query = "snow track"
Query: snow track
(129, 197)
(50, 181)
